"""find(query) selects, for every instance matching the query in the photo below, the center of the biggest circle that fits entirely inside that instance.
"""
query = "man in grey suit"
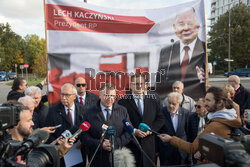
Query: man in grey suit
(176, 119)
(185, 59)
(106, 111)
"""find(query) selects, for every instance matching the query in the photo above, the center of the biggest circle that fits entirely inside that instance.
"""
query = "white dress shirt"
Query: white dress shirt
(174, 118)
(190, 51)
(72, 109)
(104, 111)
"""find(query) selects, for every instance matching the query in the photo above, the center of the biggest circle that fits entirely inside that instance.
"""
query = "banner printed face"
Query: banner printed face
(85, 38)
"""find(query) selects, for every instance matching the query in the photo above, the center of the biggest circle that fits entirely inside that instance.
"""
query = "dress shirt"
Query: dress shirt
(190, 51)
(174, 118)
(83, 98)
(201, 125)
(72, 109)
(104, 111)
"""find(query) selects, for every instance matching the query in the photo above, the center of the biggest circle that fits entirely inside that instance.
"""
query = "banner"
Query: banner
(109, 45)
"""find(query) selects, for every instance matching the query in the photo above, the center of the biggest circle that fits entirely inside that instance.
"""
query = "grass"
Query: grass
(31, 81)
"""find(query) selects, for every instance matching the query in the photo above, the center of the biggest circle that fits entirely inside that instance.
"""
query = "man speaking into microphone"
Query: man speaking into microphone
(106, 111)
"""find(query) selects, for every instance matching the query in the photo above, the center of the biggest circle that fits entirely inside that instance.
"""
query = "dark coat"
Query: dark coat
(193, 123)
(170, 155)
(241, 98)
(96, 118)
(56, 116)
(14, 95)
(90, 101)
(165, 78)
(153, 117)
(40, 115)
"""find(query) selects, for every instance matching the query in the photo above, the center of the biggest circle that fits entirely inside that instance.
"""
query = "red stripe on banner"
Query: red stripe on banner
(67, 18)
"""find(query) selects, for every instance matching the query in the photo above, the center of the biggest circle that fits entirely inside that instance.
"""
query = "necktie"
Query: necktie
(139, 106)
(81, 100)
(184, 63)
(108, 114)
(70, 117)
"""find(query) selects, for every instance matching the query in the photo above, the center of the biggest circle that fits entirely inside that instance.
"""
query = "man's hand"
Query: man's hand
(245, 117)
(106, 145)
(68, 143)
(49, 129)
(197, 155)
(164, 137)
(200, 74)
(141, 134)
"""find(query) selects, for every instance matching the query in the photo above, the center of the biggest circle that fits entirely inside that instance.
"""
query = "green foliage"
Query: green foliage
(240, 33)
(16, 50)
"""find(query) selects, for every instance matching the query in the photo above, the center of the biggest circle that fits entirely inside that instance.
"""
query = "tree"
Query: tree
(240, 33)
(40, 62)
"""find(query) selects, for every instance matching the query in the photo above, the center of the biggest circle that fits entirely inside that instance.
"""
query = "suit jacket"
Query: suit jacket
(168, 154)
(241, 98)
(193, 124)
(91, 100)
(56, 116)
(153, 117)
(96, 118)
(192, 84)
(40, 115)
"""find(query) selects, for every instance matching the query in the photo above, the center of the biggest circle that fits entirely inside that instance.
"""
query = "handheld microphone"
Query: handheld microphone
(111, 133)
(66, 133)
(36, 138)
(144, 127)
(129, 128)
(83, 128)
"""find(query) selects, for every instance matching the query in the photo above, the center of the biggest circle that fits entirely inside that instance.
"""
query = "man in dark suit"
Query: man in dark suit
(185, 59)
(146, 109)
(176, 119)
(106, 111)
(67, 113)
(84, 97)
(241, 94)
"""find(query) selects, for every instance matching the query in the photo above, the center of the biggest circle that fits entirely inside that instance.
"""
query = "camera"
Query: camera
(225, 152)
(32, 151)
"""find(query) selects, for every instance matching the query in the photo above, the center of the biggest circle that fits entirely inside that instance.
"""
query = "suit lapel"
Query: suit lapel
(133, 104)
(63, 113)
(100, 115)
(169, 122)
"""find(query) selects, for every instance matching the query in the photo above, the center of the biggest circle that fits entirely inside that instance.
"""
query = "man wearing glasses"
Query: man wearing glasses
(106, 111)
(142, 109)
(66, 113)
(84, 97)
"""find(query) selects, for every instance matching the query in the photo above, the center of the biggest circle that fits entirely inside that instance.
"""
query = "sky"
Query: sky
(27, 16)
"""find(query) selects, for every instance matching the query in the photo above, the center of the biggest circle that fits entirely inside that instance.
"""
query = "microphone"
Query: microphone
(111, 133)
(36, 138)
(129, 128)
(104, 130)
(83, 128)
(170, 57)
(144, 127)
(66, 133)
(124, 158)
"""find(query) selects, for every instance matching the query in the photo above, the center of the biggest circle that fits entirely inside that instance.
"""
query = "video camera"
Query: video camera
(225, 152)
(37, 155)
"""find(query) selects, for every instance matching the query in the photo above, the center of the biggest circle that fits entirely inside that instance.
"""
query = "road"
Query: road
(213, 81)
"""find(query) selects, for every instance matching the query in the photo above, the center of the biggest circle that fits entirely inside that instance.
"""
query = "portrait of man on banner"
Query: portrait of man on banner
(184, 59)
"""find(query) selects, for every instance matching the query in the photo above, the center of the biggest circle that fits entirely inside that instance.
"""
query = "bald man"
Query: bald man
(241, 94)
(84, 97)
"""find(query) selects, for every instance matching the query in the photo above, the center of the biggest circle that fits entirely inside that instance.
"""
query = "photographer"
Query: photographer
(222, 119)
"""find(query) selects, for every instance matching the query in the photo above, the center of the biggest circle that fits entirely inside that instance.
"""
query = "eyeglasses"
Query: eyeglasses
(197, 106)
(79, 85)
(66, 95)
(109, 96)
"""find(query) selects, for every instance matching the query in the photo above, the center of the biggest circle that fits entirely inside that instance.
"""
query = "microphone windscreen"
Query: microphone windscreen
(123, 158)
(73, 129)
(85, 126)
(129, 128)
(144, 127)
(111, 130)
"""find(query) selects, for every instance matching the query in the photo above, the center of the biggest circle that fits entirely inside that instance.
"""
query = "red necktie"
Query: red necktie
(81, 101)
(184, 63)
(70, 117)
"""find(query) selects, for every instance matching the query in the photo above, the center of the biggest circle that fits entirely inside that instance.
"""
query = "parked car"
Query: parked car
(12, 75)
(4, 76)
(240, 72)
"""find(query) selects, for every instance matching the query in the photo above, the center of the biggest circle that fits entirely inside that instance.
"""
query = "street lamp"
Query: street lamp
(229, 36)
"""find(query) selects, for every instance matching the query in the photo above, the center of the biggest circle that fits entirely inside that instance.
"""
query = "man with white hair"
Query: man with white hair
(67, 113)
(186, 102)
(41, 110)
(175, 124)
(28, 102)
(241, 94)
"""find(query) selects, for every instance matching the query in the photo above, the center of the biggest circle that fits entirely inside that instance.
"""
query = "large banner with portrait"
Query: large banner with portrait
(110, 45)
